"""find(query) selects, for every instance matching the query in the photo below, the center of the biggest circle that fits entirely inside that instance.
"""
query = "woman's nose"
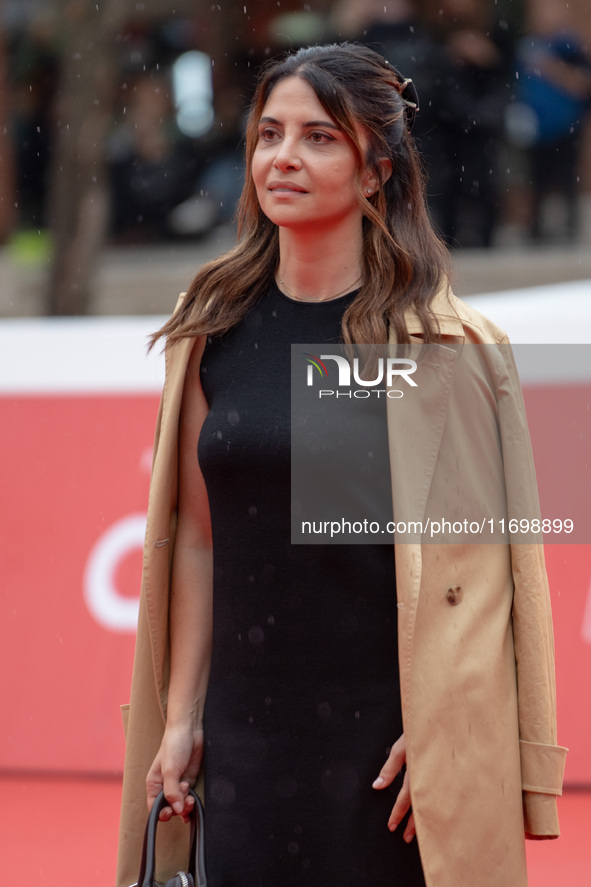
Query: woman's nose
(287, 155)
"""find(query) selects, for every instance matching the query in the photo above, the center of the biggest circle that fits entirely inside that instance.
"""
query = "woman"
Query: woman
(289, 674)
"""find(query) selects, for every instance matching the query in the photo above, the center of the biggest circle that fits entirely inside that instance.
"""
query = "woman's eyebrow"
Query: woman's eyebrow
(325, 123)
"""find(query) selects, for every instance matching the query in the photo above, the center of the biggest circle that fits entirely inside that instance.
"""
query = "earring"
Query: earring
(369, 191)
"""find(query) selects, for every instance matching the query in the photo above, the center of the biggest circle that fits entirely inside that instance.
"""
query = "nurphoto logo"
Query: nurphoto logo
(389, 370)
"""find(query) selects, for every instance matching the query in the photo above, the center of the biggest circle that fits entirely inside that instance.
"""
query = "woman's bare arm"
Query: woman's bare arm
(178, 761)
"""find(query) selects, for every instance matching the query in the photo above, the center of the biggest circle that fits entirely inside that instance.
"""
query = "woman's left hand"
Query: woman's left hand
(392, 767)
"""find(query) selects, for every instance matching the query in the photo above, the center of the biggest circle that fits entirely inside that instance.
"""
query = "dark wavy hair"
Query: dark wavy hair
(404, 261)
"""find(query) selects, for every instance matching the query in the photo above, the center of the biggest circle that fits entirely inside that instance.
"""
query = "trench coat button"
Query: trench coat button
(454, 595)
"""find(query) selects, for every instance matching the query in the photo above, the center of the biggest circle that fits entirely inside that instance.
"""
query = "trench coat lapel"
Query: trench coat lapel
(415, 427)
(416, 420)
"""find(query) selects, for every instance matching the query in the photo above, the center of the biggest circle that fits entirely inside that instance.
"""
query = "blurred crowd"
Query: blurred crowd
(502, 114)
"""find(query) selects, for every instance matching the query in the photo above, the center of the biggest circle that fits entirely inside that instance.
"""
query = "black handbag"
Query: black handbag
(195, 876)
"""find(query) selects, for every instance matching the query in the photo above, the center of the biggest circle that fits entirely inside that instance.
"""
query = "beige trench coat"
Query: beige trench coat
(474, 628)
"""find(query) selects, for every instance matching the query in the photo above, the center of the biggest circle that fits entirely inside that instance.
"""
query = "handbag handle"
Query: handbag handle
(147, 873)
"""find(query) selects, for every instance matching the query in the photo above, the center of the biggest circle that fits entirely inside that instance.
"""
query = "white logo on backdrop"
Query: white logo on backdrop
(112, 610)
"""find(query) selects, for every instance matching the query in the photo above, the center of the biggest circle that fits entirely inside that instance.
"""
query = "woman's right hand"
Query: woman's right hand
(175, 769)
(393, 766)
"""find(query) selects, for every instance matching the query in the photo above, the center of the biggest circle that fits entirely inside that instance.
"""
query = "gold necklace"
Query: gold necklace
(347, 289)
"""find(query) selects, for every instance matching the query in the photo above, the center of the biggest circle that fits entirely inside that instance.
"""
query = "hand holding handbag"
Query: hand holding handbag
(195, 876)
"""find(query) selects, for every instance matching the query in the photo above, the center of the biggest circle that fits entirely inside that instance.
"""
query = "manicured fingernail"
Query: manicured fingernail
(378, 783)
(408, 838)
(392, 826)
(177, 807)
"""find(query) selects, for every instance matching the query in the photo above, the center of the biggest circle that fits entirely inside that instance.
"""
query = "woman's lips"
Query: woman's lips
(286, 188)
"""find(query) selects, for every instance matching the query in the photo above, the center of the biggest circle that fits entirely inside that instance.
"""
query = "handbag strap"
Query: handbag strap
(147, 873)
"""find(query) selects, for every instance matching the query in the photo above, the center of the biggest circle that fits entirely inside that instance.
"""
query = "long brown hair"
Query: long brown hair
(404, 261)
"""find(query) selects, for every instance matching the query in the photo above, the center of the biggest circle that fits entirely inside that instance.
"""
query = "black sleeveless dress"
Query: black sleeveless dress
(303, 701)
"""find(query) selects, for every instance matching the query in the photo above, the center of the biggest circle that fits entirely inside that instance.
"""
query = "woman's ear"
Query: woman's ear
(371, 183)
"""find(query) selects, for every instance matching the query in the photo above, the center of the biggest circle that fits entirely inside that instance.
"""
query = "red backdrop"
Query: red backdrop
(74, 478)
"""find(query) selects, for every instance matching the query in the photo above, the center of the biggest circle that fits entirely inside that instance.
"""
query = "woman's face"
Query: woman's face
(304, 167)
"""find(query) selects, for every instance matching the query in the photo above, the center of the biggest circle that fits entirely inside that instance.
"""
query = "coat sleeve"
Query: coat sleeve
(542, 760)
(144, 722)
(145, 716)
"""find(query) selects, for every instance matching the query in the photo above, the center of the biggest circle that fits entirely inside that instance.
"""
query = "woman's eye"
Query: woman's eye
(267, 135)
(320, 137)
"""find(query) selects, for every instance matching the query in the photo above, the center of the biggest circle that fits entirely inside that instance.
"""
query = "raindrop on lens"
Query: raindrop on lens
(256, 635)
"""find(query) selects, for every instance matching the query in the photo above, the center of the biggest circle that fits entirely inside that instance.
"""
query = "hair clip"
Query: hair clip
(409, 95)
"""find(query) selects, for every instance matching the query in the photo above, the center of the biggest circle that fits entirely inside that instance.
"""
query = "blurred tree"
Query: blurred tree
(87, 94)
(7, 196)
(78, 202)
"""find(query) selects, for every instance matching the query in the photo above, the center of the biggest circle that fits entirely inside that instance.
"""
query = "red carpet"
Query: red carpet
(60, 832)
